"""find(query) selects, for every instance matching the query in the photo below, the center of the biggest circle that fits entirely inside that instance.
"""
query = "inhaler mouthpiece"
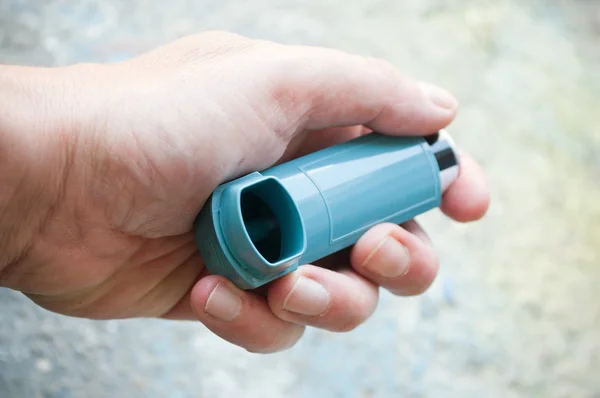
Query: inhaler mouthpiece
(261, 226)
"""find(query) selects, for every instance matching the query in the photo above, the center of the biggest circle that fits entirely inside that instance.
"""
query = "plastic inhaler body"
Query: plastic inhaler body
(259, 227)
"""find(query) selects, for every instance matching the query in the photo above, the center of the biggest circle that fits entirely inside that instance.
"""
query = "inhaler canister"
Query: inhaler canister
(261, 226)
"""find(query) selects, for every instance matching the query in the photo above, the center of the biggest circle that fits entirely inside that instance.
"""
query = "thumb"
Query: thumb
(327, 88)
(295, 89)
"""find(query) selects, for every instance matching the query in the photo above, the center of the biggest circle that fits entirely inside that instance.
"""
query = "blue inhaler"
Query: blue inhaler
(259, 227)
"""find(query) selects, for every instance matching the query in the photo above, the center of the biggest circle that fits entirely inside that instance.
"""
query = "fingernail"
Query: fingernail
(307, 297)
(223, 304)
(439, 96)
(389, 259)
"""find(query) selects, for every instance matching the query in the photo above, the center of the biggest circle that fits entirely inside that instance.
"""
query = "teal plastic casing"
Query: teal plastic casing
(261, 226)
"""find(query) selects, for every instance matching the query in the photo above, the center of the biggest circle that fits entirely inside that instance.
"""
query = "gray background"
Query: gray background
(516, 309)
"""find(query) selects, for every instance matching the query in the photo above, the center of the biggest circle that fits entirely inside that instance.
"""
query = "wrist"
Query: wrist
(35, 137)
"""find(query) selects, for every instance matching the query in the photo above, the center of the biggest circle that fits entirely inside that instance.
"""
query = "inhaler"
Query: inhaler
(261, 226)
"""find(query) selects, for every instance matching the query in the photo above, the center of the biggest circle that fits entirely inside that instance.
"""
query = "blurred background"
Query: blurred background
(515, 311)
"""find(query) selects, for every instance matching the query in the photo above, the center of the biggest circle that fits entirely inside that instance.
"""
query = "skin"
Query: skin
(106, 166)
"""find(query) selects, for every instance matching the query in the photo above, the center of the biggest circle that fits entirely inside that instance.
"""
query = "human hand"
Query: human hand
(106, 166)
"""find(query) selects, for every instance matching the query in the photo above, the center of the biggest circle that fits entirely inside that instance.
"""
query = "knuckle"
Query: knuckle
(383, 67)
(219, 36)
(211, 45)
(386, 73)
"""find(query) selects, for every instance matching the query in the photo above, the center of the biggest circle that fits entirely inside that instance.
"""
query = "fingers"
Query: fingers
(314, 296)
(311, 296)
(326, 88)
(468, 198)
(400, 260)
(241, 317)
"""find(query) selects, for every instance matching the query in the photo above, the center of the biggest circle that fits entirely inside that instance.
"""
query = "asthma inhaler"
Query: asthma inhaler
(259, 227)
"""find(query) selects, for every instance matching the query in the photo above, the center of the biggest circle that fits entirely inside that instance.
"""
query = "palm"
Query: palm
(121, 255)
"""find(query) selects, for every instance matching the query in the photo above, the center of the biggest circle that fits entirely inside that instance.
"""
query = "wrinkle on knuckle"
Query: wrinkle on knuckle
(293, 88)
(214, 45)
(393, 82)
(385, 71)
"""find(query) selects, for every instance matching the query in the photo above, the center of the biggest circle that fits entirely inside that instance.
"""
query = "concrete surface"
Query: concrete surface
(516, 309)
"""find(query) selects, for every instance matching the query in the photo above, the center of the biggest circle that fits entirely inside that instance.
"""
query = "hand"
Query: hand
(105, 168)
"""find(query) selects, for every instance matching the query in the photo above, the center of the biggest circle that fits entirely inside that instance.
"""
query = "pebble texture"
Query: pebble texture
(516, 309)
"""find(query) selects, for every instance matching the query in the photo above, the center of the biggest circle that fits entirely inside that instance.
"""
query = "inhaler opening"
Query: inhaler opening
(272, 221)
